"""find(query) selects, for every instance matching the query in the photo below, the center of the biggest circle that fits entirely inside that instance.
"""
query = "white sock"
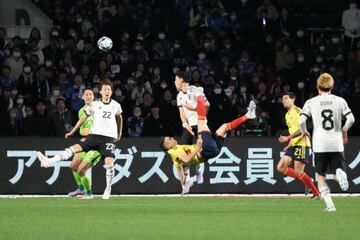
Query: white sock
(187, 174)
(325, 194)
(66, 154)
(110, 172)
(197, 169)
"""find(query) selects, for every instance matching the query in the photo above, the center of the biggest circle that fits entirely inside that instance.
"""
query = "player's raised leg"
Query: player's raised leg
(226, 127)
(66, 154)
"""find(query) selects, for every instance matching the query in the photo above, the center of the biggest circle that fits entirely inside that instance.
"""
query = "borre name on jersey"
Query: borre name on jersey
(104, 114)
(327, 112)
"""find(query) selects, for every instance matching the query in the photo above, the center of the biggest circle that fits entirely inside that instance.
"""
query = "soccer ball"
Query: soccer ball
(104, 43)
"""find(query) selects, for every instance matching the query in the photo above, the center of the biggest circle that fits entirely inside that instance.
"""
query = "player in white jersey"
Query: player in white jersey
(329, 136)
(187, 104)
(106, 130)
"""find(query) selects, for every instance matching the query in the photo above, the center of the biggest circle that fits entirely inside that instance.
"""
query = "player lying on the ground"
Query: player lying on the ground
(208, 145)
(298, 149)
(106, 129)
(82, 161)
(329, 135)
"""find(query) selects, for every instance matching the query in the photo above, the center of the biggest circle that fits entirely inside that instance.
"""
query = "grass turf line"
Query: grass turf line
(178, 218)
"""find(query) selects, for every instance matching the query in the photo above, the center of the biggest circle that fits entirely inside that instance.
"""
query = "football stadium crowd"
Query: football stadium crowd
(235, 50)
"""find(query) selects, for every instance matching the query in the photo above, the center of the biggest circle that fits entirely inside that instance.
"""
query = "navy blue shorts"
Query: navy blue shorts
(299, 153)
(212, 145)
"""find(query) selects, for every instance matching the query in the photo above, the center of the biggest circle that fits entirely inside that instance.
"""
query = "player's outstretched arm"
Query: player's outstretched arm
(187, 158)
(77, 126)
(302, 126)
(283, 139)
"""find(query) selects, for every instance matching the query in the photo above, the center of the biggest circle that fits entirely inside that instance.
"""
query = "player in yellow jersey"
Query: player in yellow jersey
(82, 161)
(298, 149)
(208, 145)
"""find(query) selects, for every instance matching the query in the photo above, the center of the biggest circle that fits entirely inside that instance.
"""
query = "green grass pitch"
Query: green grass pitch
(173, 218)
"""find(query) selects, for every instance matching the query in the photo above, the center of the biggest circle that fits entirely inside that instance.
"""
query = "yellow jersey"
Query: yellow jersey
(292, 119)
(179, 150)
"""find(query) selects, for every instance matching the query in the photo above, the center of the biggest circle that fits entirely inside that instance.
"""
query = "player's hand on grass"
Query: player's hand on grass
(344, 137)
(283, 139)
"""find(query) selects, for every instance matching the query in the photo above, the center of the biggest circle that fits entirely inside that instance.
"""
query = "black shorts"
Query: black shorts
(105, 145)
(299, 153)
(328, 162)
(187, 138)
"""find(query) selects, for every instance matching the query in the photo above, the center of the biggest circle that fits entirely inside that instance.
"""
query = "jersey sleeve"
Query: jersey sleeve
(179, 100)
(119, 110)
(175, 156)
(89, 109)
(345, 110)
(306, 109)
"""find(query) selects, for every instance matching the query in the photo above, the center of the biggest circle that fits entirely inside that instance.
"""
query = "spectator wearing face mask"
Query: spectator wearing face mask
(20, 107)
(26, 82)
(161, 47)
(15, 62)
(220, 109)
(242, 100)
(53, 97)
(351, 24)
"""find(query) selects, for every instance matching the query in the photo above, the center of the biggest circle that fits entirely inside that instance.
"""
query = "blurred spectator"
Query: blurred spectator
(61, 119)
(351, 23)
(135, 123)
(154, 123)
(7, 100)
(42, 122)
(28, 123)
(15, 62)
(13, 125)
(170, 112)
(6, 79)
(20, 107)
(73, 94)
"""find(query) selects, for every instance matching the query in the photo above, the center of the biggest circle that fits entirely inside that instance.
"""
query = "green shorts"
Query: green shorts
(92, 157)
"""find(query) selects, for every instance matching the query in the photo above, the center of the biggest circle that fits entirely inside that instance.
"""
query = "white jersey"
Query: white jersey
(104, 122)
(327, 112)
(188, 98)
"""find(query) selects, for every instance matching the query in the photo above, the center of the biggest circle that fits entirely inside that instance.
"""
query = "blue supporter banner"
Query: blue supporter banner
(245, 165)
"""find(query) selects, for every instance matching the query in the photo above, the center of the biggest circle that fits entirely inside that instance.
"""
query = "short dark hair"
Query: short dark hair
(183, 75)
(106, 82)
(291, 95)
(161, 144)
(87, 89)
